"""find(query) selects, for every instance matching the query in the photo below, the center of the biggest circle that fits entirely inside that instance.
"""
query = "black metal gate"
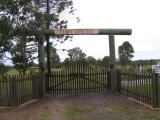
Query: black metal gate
(76, 79)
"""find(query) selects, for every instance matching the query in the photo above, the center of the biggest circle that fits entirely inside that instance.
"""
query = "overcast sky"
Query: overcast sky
(142, 16)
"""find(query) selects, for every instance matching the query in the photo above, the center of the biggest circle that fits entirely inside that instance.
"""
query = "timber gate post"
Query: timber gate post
(155, 91)
(41, 88)
(119, 80)
(109, 80)
(113, 62)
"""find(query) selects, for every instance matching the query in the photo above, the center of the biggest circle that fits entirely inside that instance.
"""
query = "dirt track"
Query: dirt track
(81, 107)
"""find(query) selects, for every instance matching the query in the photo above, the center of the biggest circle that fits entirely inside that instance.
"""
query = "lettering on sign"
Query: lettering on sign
(76, 31)
(156, 68)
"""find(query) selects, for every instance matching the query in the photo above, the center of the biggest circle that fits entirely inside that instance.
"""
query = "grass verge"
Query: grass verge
(44, 114)
(71, 112)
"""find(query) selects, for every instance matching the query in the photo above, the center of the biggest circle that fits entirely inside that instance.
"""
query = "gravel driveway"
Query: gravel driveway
(104, 106)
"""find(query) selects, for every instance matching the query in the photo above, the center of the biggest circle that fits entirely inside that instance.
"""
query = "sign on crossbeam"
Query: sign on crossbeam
(76, 31)
(89, 32)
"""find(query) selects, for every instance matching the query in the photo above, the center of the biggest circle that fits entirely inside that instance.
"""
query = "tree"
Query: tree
(91, 60)
(30, 15)
(106, 61)
(99, 62)
(17, 15)
(5, 28)
(3, 70)
(76, 54)
(125, 52)
(66, 61)
(54, 57)
(23, 54)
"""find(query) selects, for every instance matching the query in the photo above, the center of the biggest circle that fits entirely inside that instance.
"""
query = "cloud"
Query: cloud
(142, 16)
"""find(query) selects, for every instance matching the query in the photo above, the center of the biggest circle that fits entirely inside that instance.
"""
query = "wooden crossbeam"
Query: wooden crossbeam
(89, 32)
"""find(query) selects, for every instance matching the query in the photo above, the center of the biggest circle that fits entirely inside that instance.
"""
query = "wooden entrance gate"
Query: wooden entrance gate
(76, 79)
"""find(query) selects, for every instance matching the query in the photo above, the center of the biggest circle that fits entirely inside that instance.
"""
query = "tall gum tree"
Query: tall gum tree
(125, 52)
(26, 15)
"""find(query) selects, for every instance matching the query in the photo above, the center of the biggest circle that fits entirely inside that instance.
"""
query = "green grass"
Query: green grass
(71, 112)
(149, 116)
(128, 113)
(56, 69)
(31, 70)
(144, 90)
(125, 112)
(43, 114)
(120, 109)
(13, 71)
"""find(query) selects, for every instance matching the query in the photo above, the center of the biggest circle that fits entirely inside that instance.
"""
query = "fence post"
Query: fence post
(158, 88)
(0, 93)
(34, 86)
(113, 62)
(47, 82)
(155, 91)
(40, 86)
(109, 80)
(14, 91)
(118, 81)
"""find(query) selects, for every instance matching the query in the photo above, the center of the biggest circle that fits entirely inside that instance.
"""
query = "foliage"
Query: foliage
(125, 52)
(91, 60)
(54, 57)
(66, 61)
(5, 28)
(23, 54)
(145, 62)
(44, 114)
(99, 62)
(3, 70)
(21, 19)
(76, 54)
(18, 14)
(106, 61)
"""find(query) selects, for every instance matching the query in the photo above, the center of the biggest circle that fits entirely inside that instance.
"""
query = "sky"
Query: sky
(142, 16)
